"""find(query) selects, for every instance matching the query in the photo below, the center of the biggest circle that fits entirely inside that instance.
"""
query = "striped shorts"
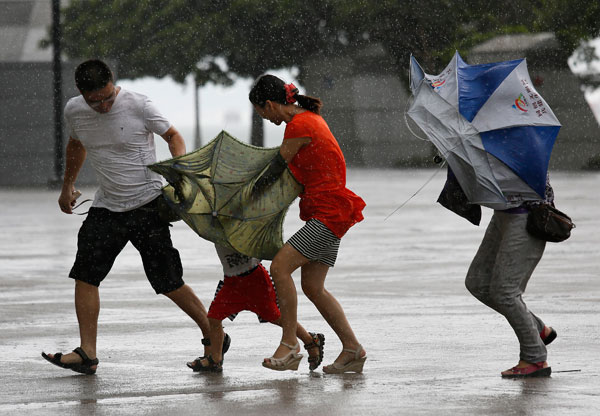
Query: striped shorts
(316, 242)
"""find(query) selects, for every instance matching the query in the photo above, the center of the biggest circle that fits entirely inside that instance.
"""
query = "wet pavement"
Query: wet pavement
(432, 348)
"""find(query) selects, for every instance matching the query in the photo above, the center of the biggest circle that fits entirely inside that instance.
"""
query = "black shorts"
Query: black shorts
(103, 235)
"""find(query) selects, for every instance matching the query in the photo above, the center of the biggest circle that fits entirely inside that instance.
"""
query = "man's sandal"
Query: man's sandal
(354, 365)
(196, 365)
(84, 367)
(288, 362)
(318, 341)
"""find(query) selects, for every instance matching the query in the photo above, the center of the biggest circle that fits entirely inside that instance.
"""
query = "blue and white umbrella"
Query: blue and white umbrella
(491, 125)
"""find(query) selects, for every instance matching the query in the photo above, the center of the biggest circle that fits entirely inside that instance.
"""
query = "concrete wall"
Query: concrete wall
(27, 123)
(364, 103)
(380, 103)
(578, 142)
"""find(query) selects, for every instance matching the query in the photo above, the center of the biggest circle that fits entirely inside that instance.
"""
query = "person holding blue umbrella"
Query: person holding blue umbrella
(496, 133)
(498, 276)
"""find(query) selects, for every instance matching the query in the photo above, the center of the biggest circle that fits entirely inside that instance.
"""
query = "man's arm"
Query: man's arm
(175, 141)
(75, 156)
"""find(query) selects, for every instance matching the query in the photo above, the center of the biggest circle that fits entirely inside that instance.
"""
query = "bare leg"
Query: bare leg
(285, 262)
(303, 334)
(216, 339)
(87, 307)
(313, 285)
(186, 299)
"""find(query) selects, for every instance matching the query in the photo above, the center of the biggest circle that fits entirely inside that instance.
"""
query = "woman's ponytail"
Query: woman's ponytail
(309, 103)
(269, 87)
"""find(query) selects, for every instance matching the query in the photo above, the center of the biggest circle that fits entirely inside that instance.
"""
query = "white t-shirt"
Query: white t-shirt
(235, 263)
(120, 144)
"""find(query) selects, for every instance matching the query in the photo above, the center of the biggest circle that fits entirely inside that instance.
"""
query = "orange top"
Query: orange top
(321, 168)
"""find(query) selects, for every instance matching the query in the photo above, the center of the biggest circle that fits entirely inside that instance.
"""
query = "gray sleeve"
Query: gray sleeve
(154, 120)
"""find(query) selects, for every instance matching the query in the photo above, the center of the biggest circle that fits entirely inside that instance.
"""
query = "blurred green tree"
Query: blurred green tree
(425, 28)
(254, 36)
(219, 40)
(144, 38)
(213, 40)
(574, 22)
(153, 38)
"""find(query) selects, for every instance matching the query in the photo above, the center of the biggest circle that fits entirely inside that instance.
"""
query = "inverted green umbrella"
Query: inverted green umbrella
(210, 189)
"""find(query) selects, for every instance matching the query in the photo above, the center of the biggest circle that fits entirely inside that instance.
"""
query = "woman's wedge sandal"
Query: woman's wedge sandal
(84, 367)
(318, 341)
(288, 362)
(354, 365)
(196, 365)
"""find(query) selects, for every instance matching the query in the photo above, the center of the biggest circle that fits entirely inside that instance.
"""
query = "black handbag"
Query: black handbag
(547, 223)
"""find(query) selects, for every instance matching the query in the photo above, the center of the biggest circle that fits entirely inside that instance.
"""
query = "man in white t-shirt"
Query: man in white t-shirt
(114, 129)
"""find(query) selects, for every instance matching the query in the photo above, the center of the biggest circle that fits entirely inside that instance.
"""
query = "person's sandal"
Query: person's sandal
(84, 367)
(211, 367)
(318, 341)
(532, 370)
(355, 365)
(288, 362)
(196, 365)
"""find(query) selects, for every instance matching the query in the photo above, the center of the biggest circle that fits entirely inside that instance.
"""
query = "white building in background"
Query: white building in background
(589, 72)
(23, 24)
(26, 98)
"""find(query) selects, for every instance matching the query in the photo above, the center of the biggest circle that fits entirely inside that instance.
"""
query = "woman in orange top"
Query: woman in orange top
(329, 209)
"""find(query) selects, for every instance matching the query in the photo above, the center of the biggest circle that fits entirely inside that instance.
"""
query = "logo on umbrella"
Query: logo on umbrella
(436, 85)
(520, 103)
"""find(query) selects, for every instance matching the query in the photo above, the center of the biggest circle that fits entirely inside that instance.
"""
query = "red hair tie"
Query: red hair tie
(290, 92)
